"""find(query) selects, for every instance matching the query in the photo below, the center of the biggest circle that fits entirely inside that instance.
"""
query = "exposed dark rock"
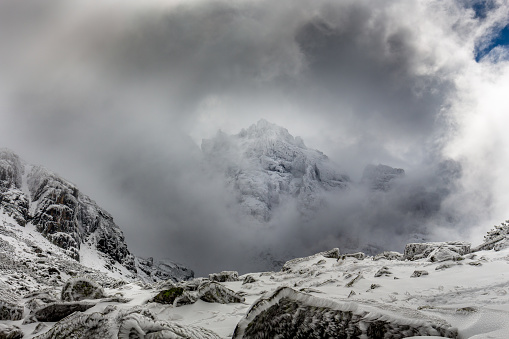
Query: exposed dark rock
(419, 273)
(59, 310)
(354, 280)
(248, 280)
(383, 271)
(333, 253)
(168, 296)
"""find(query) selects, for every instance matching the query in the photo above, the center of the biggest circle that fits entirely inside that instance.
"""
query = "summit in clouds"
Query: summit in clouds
(266, 167)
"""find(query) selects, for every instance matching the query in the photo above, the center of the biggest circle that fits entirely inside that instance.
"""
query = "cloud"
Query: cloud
(116, 95)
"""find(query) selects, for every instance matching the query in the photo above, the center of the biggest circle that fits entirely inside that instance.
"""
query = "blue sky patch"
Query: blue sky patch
(501, 39)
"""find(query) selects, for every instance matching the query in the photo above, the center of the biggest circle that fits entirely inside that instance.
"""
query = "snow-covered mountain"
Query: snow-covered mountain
(43, 202)
(267, 167)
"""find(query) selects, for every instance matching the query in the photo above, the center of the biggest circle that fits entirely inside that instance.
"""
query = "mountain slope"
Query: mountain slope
(436, 289)
(42, 201)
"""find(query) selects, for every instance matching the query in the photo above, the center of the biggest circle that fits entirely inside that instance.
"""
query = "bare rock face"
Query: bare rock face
(287, 313)
(436, 251)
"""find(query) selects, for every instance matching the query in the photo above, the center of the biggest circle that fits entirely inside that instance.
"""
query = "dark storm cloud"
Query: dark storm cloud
(106, 94)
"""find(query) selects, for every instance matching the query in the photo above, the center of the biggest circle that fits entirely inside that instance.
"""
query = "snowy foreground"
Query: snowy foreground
(458, 295)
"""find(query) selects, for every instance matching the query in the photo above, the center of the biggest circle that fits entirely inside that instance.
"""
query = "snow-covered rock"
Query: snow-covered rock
(287, 313)
(224, 276)
(496, 239)
(266, 166)
(381, 177)
(161, 270)
(80, 289)
(388, 255)
(213, 292)
(436, 251)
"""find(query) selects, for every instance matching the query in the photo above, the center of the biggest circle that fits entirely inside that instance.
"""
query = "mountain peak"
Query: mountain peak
(264, 129)
(267, 167)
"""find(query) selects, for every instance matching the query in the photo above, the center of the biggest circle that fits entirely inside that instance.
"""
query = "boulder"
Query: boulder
(333, 253)
(224, 276)
(81, 288)
(287, 314)
(168, 296)
(59, 310)
(416, 251)
(213, 292)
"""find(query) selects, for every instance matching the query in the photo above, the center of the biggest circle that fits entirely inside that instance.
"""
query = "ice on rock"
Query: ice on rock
(287, 313)
(496, 239)
(436, 251)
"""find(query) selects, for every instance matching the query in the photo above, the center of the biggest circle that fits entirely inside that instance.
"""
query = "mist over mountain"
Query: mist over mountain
(116, 97)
